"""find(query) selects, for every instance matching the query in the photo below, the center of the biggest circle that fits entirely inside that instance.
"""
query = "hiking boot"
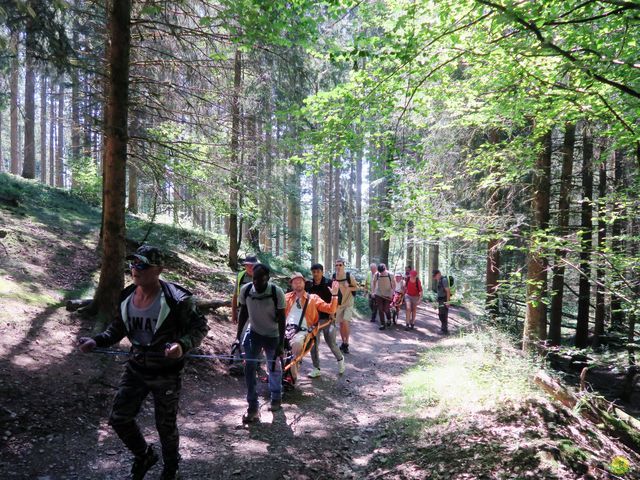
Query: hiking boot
(407, 327)
(315, 373)
(341, 366)
(344, 348)
(381, 327)
(141, 465)
(170, 473)
(252, 415)
(275, 405)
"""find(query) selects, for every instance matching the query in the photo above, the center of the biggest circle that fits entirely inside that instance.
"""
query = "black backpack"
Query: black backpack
(273, 296)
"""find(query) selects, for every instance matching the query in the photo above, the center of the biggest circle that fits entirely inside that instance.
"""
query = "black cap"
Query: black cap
(149, 255)
(250, 260)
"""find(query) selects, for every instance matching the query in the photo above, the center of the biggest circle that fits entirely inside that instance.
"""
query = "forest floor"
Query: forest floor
(382, 419)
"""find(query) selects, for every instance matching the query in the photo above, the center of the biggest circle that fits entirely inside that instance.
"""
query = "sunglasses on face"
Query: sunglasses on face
(339, 264)
(139, 265)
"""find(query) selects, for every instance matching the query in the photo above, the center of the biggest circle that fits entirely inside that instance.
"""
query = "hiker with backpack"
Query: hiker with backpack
(244, 276)
(443, 291)
(344, 314)
(162, 322)
(302, 314)
(236, 365)
(413, 296)
(321, 286)
(398, 297)
(383, 287)
(262, 304)
(373, 269)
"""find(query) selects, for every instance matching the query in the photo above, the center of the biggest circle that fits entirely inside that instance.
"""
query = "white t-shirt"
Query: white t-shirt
(296, 312)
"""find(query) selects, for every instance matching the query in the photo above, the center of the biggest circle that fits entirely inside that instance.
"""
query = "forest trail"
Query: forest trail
(330, 427)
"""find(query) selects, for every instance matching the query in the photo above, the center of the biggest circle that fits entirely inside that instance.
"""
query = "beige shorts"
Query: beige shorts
(344, 313)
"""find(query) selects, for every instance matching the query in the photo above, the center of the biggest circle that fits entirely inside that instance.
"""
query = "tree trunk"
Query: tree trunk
(535, 323)
(52, 132)
(374, 255)
(617, 246)
(115, 159)
(358, 219)
(60, 137)
(328, 212)
(294, 245)
(1, 156)
(14, 86)
(492, 277)
(337, 203)
(234, 205)
(599, 320)
(43, 128)
(584, 293)
(29, 164)
(557, 284)
(409, 254)
(133, 189)
(348, 219)
(434, 261)
(75, 118)
(314, 218)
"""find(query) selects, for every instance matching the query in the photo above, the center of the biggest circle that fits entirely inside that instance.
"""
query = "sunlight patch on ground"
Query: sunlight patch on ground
(466, 375)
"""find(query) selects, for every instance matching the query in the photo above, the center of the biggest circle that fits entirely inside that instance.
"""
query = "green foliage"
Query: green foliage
(467, 374)
(87, 180)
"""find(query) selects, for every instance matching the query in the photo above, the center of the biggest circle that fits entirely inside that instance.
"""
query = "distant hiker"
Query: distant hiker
(444, 296)
(302, 312)
(320, 286)
(413, 296)
(407, 273)
(162, 322)
(373, 269)
(398, 297)
(262, 303)
(383, 286)
(344, 314)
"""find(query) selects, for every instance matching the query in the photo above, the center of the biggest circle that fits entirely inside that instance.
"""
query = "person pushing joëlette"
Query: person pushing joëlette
(162, 322)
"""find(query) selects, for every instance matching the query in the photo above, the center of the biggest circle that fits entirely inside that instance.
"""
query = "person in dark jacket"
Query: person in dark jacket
(162, 322)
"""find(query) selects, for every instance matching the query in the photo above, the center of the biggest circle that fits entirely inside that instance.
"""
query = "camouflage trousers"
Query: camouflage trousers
(132, 391)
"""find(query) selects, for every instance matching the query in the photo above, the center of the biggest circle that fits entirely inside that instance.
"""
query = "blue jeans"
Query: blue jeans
(254, 344)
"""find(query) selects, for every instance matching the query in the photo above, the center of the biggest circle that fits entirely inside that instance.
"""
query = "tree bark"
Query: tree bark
(328, 212)
(133, 189)
(617, 245)
(536, 315)
(115, 159)
(60, 137)
(43, 128)
(586, 238)
(410, 253)
(337, 202)
(52, 132)
(315, 203)
(557, 285)
(29, 164)
(2, 169)
(358, 219)
(234, 240)
(434, 261)
(75, 117)
(492, 277)
(14, 86)
(599, 319)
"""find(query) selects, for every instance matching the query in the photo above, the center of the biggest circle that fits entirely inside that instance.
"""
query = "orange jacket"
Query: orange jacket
(316, 304)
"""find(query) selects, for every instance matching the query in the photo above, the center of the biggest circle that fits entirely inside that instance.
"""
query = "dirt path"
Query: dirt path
(54, 422)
